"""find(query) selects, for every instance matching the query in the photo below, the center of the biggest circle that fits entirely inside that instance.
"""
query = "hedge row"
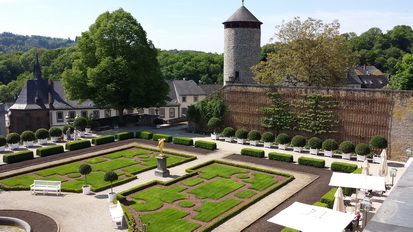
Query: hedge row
(343, 167)
(144, 135)
(329, 198)
(253, 152)
(18, 156)
(206, 145)
(319, 163)
(183, 141)
(281, 157)
(103, 139)
(168, 138)
(52, 150)
(75, 145)
(124, 135)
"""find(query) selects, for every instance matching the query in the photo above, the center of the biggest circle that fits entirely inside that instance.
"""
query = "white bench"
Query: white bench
(116, 212)
(45, 185)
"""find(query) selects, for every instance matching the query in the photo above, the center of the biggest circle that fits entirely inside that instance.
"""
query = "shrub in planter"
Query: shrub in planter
(347, 147)
(298, 141)
(319, 163)
(51, 150)
(42, 133)
(110, 177)
(362, 149)
(13, 138)
(214, 123)
(206, 145)
(228, 132)
(85, 169)
(3, 141)
(254, 135)
(281, 157)
(253, 152)
(314, 143)
(28, 136)
(183, 141)
(268, 137)
(343, 167)
(241, 134)
(330, 145)
(283, 138)
(72, 129)
(80, 123)
(55, 132)
(17, 157)
(378, 142)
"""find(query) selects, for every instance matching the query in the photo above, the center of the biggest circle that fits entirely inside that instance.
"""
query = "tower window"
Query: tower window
(236, 75)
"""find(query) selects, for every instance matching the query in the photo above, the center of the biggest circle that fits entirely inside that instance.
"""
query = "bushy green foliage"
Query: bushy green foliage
(144, 135)
(362, 149)
(17, 157)
(183, 141)
(3, 140)
(206, 145)
(314, 143)
(228, 132)
(319, 163)
(42, 133)
(110, 176)
(124, 135)
(55, 132)
(283, 138)
(281, 157)
(347, 147)
(330, 145)
(13, 138)
(268, 137)
(214, 123)
(66, 127)
(241, 133)
(210, 107)
(103, 139)
(80, 123)
(378, 141)
(85, 169)
(51, 150)
(343, 167)
(254, 135)
(287, 229)
(75, 145)
(329, 198)
(253, 152)
(298, 141)
(28, 136)
(168, 138)
(320, 204)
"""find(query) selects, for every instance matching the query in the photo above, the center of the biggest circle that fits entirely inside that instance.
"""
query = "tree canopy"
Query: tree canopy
(403, 80)
(116, 66)
(306, 52)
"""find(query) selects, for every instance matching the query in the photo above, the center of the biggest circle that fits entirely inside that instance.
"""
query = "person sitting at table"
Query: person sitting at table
(355, 222)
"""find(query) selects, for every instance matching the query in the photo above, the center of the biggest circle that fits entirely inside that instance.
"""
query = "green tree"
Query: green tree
(403, 80)
(116, 66)
(5, 95)
(307, 52)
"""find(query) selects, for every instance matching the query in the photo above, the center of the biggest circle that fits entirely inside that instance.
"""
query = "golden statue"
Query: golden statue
(161, 144)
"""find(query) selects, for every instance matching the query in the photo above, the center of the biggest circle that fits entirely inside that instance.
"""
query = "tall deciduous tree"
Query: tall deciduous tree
(403, 80)
(116, 66)
(308, 53)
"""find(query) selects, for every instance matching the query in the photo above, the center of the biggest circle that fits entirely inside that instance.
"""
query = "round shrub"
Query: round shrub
(72, 129)
(214, 123)
(55, 131)
(347, 147)
(254, 135)
(298, 141)
(330, 145)
(314, 143)
(283, 138)
(228, 132)
(378, 141)
(110, 176)
(362, 149)
(241, 134)
(3, 140)
(268, 137)
(28, 136)
(85, 169)
(157, 121)
(42, 133)
(13, 138)
(80, 123)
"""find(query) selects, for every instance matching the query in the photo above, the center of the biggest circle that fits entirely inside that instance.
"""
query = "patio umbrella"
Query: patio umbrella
(339, 201)
(383, 169)
(365, 167)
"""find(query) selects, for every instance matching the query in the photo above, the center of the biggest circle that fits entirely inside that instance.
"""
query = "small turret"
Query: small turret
(36, 70)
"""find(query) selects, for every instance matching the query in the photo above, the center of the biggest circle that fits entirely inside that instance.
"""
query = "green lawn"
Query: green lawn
(216, 189)
(192, 182)
(261, 181)
(245, 194)
(114, 164)
(27, 180)
(128, 154)
(95, 160)
(169, 220)
(186, 204)
(60, 170)
(215, 170)
(210, 210)
(153, 198)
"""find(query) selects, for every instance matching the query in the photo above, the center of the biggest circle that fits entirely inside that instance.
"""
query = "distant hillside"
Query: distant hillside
(10, 43)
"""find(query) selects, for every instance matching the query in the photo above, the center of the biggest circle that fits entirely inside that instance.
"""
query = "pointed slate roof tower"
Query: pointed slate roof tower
(36, 69)
(242, 38)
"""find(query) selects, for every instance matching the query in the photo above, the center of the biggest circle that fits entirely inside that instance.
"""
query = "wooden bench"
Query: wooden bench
(116, 212)
(46, 186)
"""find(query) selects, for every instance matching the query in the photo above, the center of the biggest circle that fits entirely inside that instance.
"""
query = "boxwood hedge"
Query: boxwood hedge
(168, 138)
(52, 150)
(183, 141)
(343, 167)
(18, 156)
(144, 135)
(77, 145)
(319, 163)
(281, 157)
(253, 152)
(206, 145)
(124, 135)
(103, 139)
(329, 198)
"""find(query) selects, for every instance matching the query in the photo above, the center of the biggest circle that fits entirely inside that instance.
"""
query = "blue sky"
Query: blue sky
(195, 24)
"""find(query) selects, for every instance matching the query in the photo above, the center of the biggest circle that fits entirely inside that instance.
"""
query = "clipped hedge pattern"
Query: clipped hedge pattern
(144, 135)
(183, 141)
(103, 139)
(124, 135)
(253, 152)
(206, 145)
(318, 163)
(52, 150)
(281, 157)
(343, 167)
(329, 198)
(168, 138)
(18, 157)
(75, 145)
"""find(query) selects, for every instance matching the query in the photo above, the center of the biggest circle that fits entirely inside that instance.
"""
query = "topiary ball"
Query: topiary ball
(42, 133)
(28, 136)
(268, 137)
(330, 145)
(283, 138)
(378, 141)
(314, 143)
(3, 140)
(110, 176)
(254, 135)
(362, 149)
(55, 132)
(80, 123)
(85, 169)
(241, 134)
(298, 141)
(347, 147)
(13, 138)
(214, 122)
(228, 132)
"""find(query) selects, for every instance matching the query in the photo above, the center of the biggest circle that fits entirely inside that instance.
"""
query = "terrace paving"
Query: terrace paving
(77, 212)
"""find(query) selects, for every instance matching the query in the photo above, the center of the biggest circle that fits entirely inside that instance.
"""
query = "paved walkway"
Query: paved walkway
(76, 212)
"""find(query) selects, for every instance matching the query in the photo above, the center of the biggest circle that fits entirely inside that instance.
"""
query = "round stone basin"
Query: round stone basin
(10, 224)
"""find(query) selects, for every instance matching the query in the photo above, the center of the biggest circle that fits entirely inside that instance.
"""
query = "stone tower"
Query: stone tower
(242, 37)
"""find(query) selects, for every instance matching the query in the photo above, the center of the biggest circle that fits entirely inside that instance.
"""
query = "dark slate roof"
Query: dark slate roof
(373, 82)
(60, 101)
(187, 87)
(242, 15)
(353, 78)
(172, 95)
(210, 88)
(367, 70)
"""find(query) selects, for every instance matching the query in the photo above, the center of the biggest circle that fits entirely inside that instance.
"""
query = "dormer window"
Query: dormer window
(183, 99)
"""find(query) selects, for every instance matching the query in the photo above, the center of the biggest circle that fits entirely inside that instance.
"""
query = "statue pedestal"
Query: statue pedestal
(161, 169)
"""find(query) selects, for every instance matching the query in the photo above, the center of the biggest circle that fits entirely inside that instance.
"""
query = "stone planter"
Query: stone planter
(376, 159)
(328, 153)
(214, 136)
(361, 158)
(81, 134)
(111, 196)
(253, 142)
(14, 146)
(282, 146)
(28, 143)
(240, 141)
(54, 139)
(157, 126)
(346, 156)
(42, 141)
(87, 129)
(2, 148)
(228, 139)
(86, 190)
(298, 149)
(267, 144)
(313, 151)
